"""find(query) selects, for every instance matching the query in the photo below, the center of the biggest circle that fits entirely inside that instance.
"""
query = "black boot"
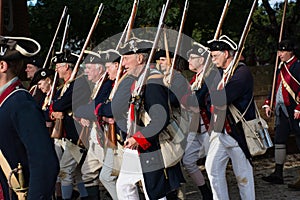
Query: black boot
(276, 177)
(206, 192)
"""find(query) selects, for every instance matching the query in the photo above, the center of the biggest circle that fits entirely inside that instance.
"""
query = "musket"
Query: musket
(216, 36)
(76, 67)
(154, 46)
(111, 129)
(126, 31)
(170, 71)
(136, 95)
(277, 58)
(234, 63)
(49, 96)
(55, 35)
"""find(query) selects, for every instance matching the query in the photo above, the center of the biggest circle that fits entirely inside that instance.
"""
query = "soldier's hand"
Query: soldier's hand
(84, 122)
(57, 115)
(296, 115)
(268, 111)
(131, 143)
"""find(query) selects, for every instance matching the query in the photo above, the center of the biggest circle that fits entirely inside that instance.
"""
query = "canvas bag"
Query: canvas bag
(256, 134)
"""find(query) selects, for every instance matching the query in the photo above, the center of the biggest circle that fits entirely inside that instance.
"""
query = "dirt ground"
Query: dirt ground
(263, 190)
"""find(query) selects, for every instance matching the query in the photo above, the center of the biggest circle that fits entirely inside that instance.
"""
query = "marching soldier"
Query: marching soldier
(142, 159)
(94, 70)
(287, 108)
(24, 137)
(227, 140)
(67, 99)
(198, 138)
(33, 65)
(105, 116)
(43, 78)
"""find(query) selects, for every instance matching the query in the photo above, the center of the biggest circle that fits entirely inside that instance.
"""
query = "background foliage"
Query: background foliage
(202, 20)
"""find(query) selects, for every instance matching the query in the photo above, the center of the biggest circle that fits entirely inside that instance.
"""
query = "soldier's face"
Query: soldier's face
(61, 69)
(163, 63)
(285, 55)
(93, 72)
(219, 58)
(30, 70)
(44, 85)
(195, 62)
(111, 69)
(131, 63)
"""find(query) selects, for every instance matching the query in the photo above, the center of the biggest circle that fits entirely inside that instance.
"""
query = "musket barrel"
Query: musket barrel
(55, 35)
(160, 26)
(178, 42)
(96, 20)
(277, 59)
(235, 61)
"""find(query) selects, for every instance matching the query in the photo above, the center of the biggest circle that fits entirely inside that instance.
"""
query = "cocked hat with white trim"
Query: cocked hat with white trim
(223, 43)
(92, 57)
(136, 45)
(198, 49)
(15, 48)
(110, 55)
(65, 56)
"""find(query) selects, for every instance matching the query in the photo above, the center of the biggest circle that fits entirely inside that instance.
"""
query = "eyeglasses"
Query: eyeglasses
(60, 65)
(216, 55)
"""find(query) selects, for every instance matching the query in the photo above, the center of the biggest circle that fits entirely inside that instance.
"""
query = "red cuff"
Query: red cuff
(97, 109)
(143, 142)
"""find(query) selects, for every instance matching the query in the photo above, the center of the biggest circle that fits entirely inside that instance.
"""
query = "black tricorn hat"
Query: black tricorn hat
(110, 55)
(92, 57)
(65, 57)
(197, 49)
(286, 45)
(136, 45)
(15, 48)
(41, 74)
(36, 61)
(223, 43)
(162, 53)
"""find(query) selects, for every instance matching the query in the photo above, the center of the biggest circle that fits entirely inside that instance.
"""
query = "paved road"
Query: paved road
(264, 191)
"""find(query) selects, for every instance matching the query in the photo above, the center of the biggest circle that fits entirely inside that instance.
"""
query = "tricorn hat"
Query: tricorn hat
(92, 57)
(286, 45)
(110, 55)
(136, 45)
(14, 48)
(198, 49)
(41, 74)
(36, 61)
(65, 57)
(223, 43)
(162, 53)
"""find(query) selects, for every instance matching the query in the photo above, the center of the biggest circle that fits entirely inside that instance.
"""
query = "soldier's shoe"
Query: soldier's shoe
(273, 178)
(295, 186)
